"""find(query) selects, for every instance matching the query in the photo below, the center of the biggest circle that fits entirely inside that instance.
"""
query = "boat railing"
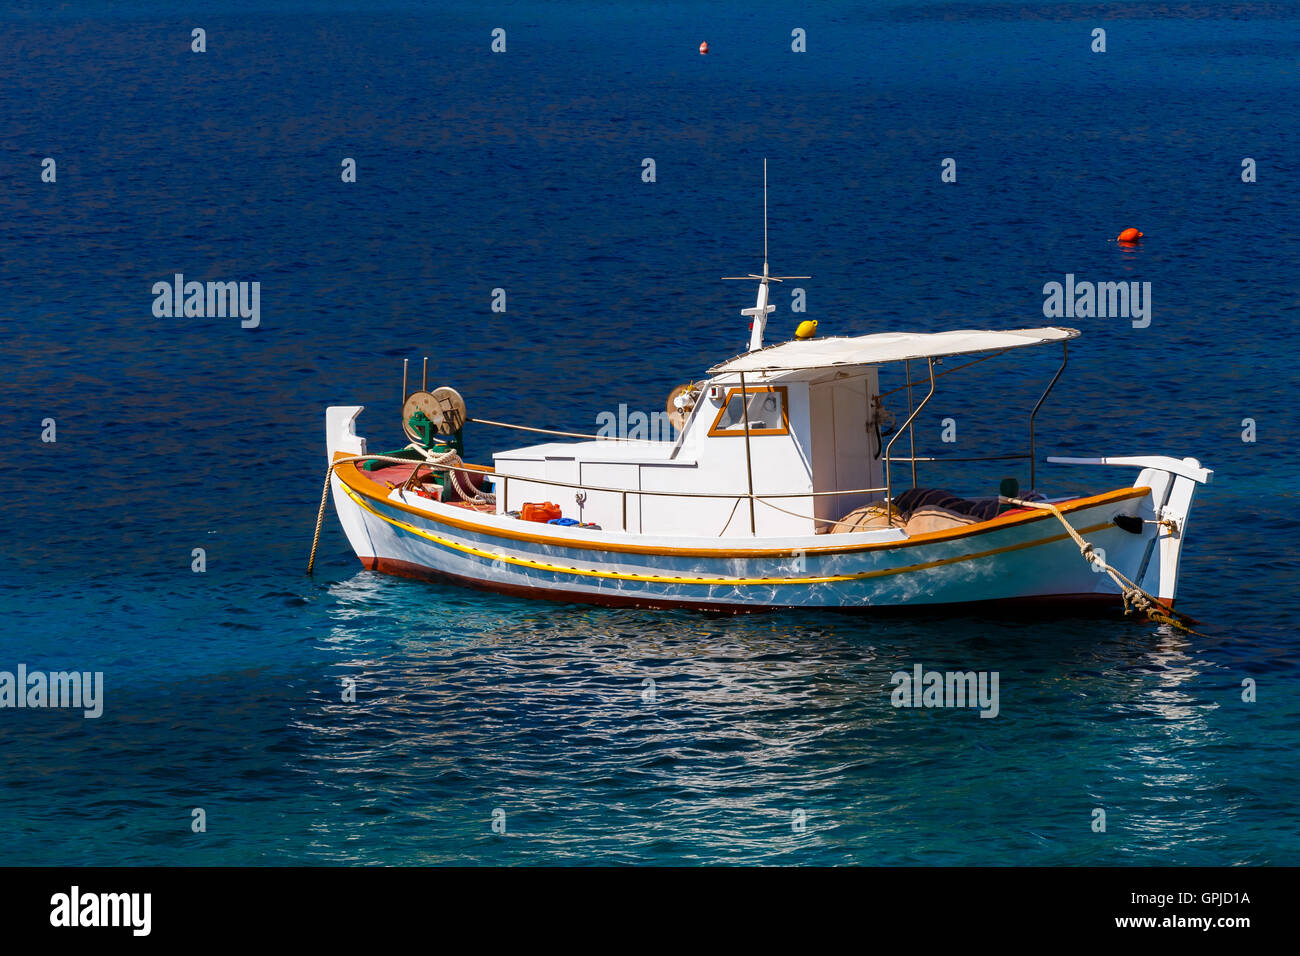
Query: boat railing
(624, 493)
(505, 480)
(553, 431)
(906, 426)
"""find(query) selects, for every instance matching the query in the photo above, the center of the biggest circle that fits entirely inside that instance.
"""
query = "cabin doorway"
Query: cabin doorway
(844, 447)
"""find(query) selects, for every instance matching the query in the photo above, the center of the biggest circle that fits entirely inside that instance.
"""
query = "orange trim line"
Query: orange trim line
(355, 479)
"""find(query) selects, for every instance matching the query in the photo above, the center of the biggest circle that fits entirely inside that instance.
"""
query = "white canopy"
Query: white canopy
(885, 347)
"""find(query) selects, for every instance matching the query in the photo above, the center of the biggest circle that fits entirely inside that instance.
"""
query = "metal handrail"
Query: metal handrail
(552, 431)
(1065, 357)
(624, 492)
(889, 479)
(472, 470)
(977, 458)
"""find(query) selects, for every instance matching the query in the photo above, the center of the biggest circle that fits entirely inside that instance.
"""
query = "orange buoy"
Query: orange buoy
(1129, 235)
(704, 48)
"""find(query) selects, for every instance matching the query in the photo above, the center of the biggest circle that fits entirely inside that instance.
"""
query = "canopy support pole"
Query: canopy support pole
(1033, 460)
(889, 486)
(911, 432)
(749, 465)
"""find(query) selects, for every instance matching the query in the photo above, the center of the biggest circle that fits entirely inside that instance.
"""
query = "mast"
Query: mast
(761, 310)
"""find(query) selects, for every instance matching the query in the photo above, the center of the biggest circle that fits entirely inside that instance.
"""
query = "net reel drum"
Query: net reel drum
(435, 419)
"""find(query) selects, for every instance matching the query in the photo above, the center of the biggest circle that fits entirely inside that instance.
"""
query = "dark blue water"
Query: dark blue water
(522, 171)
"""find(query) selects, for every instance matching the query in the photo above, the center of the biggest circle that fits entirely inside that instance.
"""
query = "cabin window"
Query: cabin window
(767, 412)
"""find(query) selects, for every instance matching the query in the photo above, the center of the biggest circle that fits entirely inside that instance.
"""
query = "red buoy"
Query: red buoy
(1129, 235)
(704, 48)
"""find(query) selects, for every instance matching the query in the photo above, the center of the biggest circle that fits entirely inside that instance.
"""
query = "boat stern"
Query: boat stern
(1164, 515)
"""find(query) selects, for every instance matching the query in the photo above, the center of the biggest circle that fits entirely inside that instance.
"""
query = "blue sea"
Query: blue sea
(769, 738)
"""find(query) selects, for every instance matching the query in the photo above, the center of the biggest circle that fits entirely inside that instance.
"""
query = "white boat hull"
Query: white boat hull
(1020, 557)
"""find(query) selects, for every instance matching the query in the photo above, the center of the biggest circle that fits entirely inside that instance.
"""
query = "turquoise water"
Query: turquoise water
(523, 171)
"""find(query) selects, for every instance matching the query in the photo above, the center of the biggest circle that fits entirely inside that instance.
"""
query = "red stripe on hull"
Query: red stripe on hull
(1036, 605)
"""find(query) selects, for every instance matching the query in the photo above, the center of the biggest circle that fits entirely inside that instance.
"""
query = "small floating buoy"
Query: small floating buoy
(704, 48)
(1129, 235)
(806, 330)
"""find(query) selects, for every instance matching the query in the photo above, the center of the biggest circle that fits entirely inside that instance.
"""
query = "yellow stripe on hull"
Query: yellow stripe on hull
(712, 581)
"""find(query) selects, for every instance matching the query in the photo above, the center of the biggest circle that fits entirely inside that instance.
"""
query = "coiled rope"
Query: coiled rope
(1135, 599)
(447, 461)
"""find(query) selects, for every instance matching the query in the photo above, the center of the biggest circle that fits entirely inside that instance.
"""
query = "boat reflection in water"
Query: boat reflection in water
(668, 736)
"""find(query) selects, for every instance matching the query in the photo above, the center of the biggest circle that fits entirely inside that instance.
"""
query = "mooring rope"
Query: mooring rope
(447, 461)
(1135, 599)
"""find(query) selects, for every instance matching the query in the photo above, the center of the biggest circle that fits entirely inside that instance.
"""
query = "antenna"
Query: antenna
(759, 313)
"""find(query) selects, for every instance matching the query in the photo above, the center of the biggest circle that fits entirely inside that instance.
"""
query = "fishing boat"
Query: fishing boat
(790, 484)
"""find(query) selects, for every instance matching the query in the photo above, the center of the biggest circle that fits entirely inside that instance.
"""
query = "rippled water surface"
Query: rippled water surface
(523, 171)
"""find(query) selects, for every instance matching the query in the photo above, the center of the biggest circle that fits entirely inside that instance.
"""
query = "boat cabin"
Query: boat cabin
(781, 441)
